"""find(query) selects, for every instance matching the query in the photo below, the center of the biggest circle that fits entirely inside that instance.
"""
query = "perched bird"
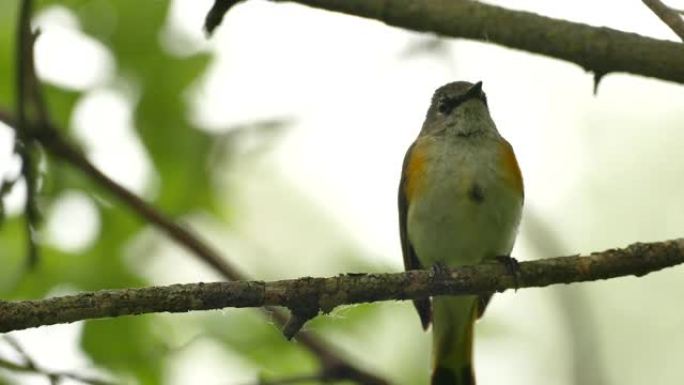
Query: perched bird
(460, 202)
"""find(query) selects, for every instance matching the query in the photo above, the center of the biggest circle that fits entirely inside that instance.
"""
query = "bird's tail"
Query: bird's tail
(452, 334)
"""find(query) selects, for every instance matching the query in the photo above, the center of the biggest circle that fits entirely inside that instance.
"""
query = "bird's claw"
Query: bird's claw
(512, 267)
(439, 269)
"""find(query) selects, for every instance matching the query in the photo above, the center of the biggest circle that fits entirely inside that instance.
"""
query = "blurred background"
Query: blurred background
(280, 141)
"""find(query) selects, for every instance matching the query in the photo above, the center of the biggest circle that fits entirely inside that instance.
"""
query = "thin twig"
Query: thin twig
(328, 293)
(19, 349)
(29, 366)
(64, 151)
(668, 15)
(186, 238)
(23, 143)
(58, 147)
(215, 15)
(585, 360)
(49, 137)
(52, 375)
(316, 378)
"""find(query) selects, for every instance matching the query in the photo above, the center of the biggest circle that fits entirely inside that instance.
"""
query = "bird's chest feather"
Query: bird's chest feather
(465, 207)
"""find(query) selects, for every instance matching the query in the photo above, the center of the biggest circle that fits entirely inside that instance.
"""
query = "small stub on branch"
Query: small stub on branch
(598, 76)
(297, 321)
(216, 13)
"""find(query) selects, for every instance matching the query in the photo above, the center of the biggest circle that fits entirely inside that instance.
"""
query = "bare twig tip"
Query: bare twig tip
(598, 76)
(215, 15)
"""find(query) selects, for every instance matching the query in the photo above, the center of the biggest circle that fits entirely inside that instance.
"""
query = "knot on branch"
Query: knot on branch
(303, 300)
(296, 322)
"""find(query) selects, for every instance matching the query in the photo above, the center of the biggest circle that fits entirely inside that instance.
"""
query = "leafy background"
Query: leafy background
(280, 140)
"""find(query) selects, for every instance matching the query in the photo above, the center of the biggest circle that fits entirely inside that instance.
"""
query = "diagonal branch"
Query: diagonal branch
(30, 367)
(46, 134)
(53, 376)
(25, 101)
(328, 293)
(49, 136)
(326, 354)
(185, 237)
(668, 15)
(330, 360)
(597, 49)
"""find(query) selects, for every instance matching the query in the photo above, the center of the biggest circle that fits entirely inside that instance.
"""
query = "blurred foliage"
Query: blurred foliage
(179, 152)
(7, 61)
(216, 180)
(182, 157)
(259, 342)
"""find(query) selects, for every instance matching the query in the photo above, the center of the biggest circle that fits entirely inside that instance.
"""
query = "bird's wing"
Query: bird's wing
(411, 261)
(514, 179)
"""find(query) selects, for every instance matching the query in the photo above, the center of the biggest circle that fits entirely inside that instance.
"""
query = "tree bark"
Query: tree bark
(310, 295)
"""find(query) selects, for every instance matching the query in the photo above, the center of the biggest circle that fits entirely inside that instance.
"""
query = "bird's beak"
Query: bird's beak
(475, 90)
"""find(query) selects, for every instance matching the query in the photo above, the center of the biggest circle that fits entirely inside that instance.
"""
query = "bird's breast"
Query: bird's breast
(465, 206)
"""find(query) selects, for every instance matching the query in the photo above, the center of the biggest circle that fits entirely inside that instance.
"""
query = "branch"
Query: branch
(313, 378)
(46, 134)
(57, 146)
(51, 139)
(30, 367)
(597, 49)
(66, 152)
(328, 358)
(328, 293)
(53, 376)
(668, 15)
(579, 318)
(27, 98)
(215, 15)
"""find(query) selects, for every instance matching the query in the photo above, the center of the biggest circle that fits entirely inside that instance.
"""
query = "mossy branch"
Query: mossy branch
(325, 294)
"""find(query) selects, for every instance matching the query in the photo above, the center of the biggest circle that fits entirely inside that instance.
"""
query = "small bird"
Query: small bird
(460, 203)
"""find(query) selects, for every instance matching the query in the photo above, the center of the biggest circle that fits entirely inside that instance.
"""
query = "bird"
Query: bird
(461, 196)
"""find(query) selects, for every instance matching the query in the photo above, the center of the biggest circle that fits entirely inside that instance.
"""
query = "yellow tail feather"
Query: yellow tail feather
(453, 321)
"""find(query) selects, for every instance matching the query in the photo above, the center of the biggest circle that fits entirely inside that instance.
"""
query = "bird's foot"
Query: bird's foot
(440, 269)
(511, 265)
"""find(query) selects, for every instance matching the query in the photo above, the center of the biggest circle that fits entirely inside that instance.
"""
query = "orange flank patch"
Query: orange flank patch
(510, 165)
(415, 171)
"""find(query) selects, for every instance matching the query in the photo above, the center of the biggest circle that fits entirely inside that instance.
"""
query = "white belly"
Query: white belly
(450, 222)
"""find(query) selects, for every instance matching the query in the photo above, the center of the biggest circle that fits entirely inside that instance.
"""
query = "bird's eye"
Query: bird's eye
(443, 107)
(446, 105)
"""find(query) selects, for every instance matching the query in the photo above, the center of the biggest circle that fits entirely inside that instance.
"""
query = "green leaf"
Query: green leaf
(8, 17)
(128, 345)
(257, 339)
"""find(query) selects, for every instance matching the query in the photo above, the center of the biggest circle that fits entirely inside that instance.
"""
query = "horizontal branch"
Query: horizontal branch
(308, 294)
(55, 144)
(597, 49)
